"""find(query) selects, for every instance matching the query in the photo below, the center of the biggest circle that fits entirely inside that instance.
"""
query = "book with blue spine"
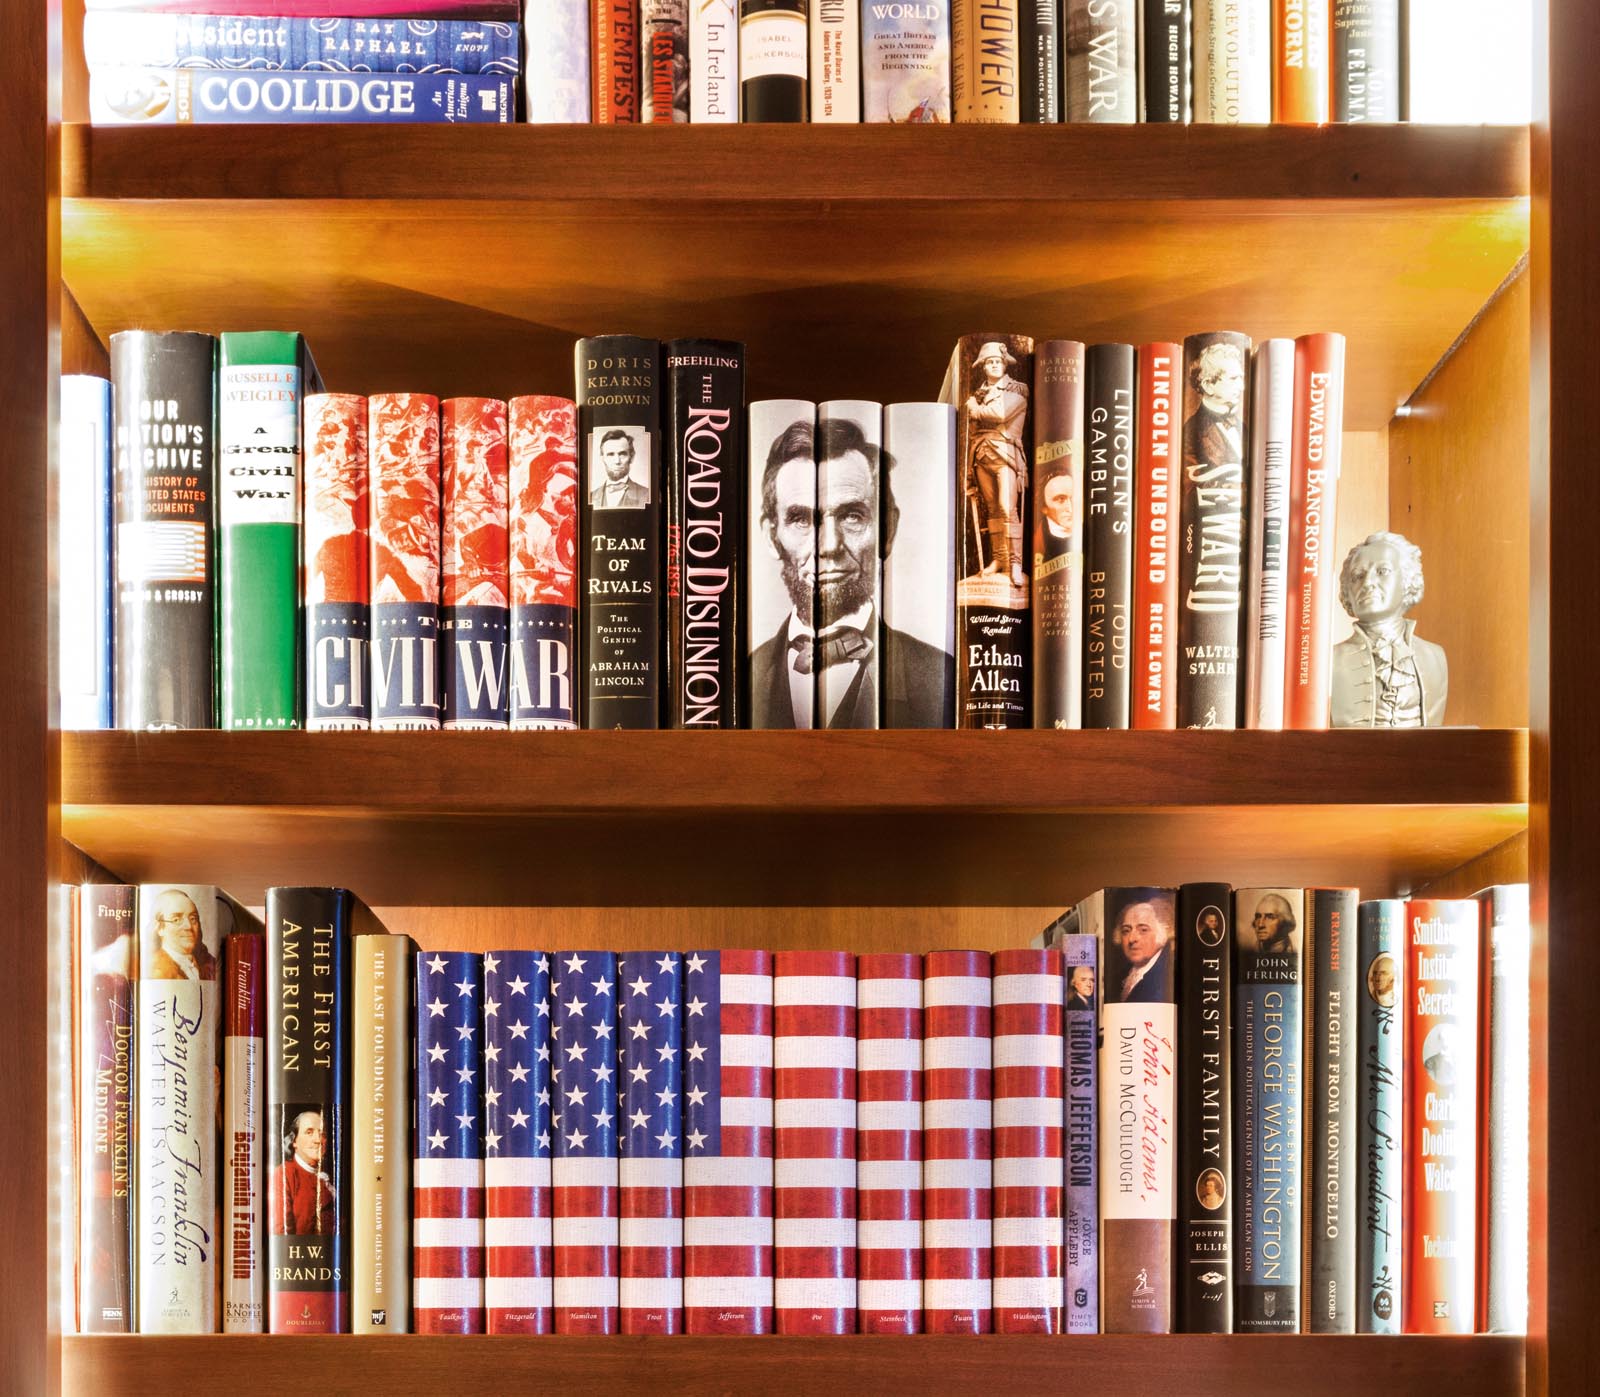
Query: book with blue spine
(198, 96)
(264, 43)
(1380, 1059)
(83, 520)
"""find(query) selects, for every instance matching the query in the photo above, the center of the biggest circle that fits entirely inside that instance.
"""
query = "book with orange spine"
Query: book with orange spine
(1302, 31)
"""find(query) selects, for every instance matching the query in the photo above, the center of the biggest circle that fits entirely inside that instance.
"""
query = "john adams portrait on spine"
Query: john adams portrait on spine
(1138, 948)
(619, 468)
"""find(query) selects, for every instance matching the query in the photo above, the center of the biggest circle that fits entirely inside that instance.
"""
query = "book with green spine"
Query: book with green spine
(262, 381)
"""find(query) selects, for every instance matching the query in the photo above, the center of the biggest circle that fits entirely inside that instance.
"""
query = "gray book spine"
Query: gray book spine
(1366, 60)
(1330, 1294)
(1081, 954)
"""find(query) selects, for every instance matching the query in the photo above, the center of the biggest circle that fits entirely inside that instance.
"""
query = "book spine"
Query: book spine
(1166, 42)
(1108, 540)
(336, 563)
(905, 61)
(919, 565)
(584, 1175)
(1271, 429)
(86, 599)
(1038, 62)
(555, 62)
(1268, 997)
(984, 80)
(1380, 1171)
(1313, 576)
(543, 490)
(403, 452)
(474, 573)
(650, 1168)
(1205, 1109)
(380, 1188)
(1232, 58)
(260, 387)
(1331, 1145)
(1029, 1117)
(835, 86)
(501, 11)
(1080, 956)
(107, 968)
(615, 44)
(308, 1110)
(990, 385)
(244, 1286)
(1058, 535)
(164, 395)
(714, 62)
(1102, 43)
(1366, 60)
(619, 425)
(177, 1017)
(781, 560)
(1154, 685)
(519, 1203)
(772, 60)
(706, 523)
(1212, 528)
(263, 43)
(447, 1149)
(1503, 1137)
(1440, 1145)
(1302, 33)
(849, 657)
(727, 1166)
(889, 1143)
(196, 96)
(664, 51)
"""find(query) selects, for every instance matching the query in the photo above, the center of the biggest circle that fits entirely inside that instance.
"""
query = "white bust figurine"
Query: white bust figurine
(1384, 676)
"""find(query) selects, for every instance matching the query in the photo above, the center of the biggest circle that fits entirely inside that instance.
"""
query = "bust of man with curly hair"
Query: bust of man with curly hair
(1384, 676)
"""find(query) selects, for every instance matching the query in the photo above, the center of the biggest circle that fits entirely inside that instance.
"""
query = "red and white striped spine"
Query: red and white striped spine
(1029, 1070)
(957, 1297)
(889, 1143)
(814, 1134)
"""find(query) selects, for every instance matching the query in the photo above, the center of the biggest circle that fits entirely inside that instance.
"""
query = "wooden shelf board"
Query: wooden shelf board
(787, 819)
(849, 259)
(1194, 1365)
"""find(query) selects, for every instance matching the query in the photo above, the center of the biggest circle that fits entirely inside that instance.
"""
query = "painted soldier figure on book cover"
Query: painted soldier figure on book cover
(995, 414)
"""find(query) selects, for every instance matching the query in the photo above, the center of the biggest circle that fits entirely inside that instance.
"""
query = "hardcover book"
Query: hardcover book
(1029, 1117)
(1366, 60)
(106, 955)
(1504, 1091)
(1301, 33)
(555, 62)
(773, 53)
(1108, 537)
(782, 567)
(614, 41)
(919, 565)
(308, 1110)
(889, 1143)
(1102, 43)
(85, 598)
(990, 383)
(1154, 685)
(403, 455)
(984, 76)
(244, 1116)
(714, 62)
(1380, 1173)
(1080, 954)
(474, 573)
(543, 456)
(336, 564)
(1205, 946)
(1212, 521)
(957, 1143)
(164, 511)
(1268, 1120)
(707, 520)
(1232, 47)
(1266, 601)
(1165, 43)
(1038, 62)
(1332, 1113)
(380, 1185)
(262, 380)
(619, 424)
(504, 11)
(905, 62)
(850, 644)
(1058, 535)
(195, 96)
(835, 71)
(664, 50)
(727, 1124)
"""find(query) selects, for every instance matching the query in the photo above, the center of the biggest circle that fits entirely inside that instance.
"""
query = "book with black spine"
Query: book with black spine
(164, 520)
(1108, 538)
(1058, 496)
(1204, 1270)
(1380, 1173)
(774, 55)
(1366, 60)
(1164, 42)
(706, 671)
(1038, 62)
(1332, 1110)
(621, 535)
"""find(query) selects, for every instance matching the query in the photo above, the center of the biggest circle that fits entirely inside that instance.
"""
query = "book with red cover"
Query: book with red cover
(1313, 579)
(335, 575)
(1302, 32)
(474, 573)
(1439, 1143)
(1155, 519)
(616, 61)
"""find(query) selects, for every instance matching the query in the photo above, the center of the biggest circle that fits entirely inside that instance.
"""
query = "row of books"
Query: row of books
(1074, 536)
(1191, 1109)
(624, 61)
